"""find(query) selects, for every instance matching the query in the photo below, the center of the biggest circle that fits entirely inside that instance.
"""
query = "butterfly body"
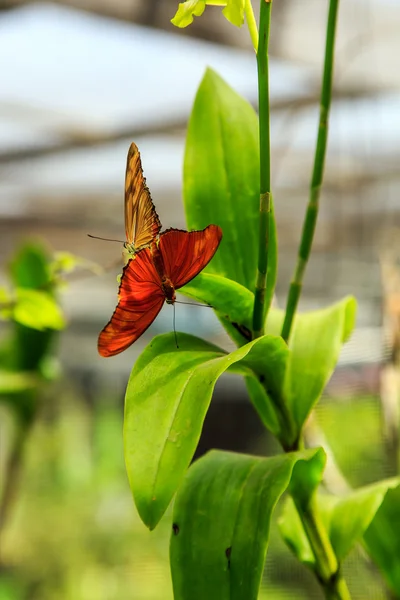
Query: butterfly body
(166, 283)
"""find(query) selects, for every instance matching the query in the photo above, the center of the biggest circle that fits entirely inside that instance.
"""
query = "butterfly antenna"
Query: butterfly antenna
(176, 337)
(96, 237)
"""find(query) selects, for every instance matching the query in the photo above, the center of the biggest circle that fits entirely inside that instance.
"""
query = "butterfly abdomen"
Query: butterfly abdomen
(168, 290)
(166, 283)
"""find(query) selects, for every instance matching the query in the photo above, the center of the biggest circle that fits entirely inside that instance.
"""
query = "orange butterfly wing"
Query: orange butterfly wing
(186, 253)
(140, 300)
(142, 224)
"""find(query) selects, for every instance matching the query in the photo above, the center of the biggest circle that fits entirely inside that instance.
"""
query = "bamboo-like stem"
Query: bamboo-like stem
(317, 175)
(327, 567)
(265, 168)
(251, 23)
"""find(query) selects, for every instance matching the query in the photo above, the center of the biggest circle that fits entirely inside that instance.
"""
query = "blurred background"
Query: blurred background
(79, 81)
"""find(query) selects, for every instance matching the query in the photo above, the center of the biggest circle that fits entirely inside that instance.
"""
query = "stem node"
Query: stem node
(265, 170)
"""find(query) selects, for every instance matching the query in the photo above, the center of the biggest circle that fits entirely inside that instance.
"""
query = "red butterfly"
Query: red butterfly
(159, 264)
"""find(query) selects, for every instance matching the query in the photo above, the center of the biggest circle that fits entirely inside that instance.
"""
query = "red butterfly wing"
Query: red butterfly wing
(140, 300)
(186, 253)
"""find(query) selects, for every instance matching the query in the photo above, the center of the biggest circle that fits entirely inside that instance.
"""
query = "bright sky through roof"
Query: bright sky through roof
(88, 72)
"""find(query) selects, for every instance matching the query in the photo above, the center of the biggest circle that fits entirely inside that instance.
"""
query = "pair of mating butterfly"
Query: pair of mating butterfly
(159, 263)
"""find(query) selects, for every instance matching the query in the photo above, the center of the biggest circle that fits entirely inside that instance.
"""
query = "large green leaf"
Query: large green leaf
(351, 516)
(221, 180)
(221, 522)
(292, 379)
(170, 389)
(382, 539)
(346, 519)
(315, 345)
(167, 398)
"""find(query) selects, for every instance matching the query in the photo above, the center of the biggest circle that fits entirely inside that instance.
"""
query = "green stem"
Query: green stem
(12, 471)
(317, 176)
(265, 169)
(251, 23)
(327, 566)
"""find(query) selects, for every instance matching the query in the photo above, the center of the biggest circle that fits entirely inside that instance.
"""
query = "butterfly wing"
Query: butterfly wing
(142, 224)
(186, 253)
(140, 300)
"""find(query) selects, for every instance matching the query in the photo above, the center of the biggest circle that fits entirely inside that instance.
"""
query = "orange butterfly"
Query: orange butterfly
(159, 264)
(142, 224)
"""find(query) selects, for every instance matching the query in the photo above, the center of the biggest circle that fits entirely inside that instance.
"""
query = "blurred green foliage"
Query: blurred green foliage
(354, 433)
(75, 534)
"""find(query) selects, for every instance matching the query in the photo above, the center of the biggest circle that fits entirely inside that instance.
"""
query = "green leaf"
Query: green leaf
(186, 11)
(167, 398)
(30, 271)
(293, 533)
(231, 300)
(346, 519)
(6, 302)
(382, 539)
(226, 561)
(303, 485)
(315, 345)
(221, 179)
(306, 478)
(303, 372)
(275, 318)
(234, 12)
(37, 310)
(351, 516)
(13, 383)
(49, 368)
(4, 295)
(263, 404)
(30, 267)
